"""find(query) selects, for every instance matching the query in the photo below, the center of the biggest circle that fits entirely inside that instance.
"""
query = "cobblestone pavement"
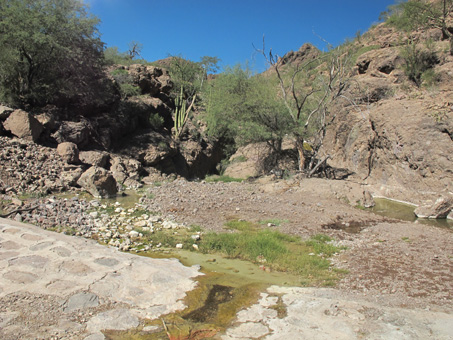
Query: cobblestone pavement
(65, 287)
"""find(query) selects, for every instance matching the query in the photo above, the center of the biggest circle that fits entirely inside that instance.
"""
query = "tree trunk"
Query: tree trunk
(300, 152)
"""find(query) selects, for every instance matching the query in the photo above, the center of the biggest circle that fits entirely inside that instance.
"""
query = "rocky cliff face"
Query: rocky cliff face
(398, 136)
(127, 131)
(390, 133)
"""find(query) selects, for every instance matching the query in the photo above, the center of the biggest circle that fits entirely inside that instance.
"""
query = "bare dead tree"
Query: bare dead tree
(330, 85)
(135, 48)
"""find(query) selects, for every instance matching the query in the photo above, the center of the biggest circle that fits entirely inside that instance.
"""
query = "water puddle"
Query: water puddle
(405, 212)
(128, 198)
(236, 271)
(227, 286)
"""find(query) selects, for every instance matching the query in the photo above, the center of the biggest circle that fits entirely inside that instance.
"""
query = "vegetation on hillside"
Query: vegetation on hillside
(410, 15)
(51, 53)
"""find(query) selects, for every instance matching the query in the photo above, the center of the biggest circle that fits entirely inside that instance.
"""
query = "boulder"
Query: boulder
(98, 182)
(368, 200)
(5, 112)
(95, 158)
(125, 168)
(440, 209)
(75, 132)
(71, 175)
(47, 121)
(69, 152)
(23, 125)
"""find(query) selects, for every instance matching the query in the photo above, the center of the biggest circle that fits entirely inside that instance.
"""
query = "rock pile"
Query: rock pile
(29, 167)
(129, 229)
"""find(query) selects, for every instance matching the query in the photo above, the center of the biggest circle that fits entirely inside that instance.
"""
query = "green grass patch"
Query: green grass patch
(277, 251)
(222, 178)
(240, 225)
(195, 228)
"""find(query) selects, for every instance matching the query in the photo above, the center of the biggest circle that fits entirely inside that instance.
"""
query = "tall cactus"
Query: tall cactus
(181, 113)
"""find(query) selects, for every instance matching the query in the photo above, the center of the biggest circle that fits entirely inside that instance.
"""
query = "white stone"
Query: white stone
(141, 224)
(179, 246)
(134, 233)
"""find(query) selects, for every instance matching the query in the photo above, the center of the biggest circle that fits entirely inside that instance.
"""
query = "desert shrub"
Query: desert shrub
(417, 61)
(156, 121)
(125, 83)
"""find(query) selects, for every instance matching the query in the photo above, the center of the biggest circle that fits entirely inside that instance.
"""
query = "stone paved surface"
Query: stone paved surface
(324, 314)
(81, 286)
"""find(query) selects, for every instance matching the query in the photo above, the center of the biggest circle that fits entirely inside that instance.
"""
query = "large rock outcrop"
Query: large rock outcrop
(396, 136)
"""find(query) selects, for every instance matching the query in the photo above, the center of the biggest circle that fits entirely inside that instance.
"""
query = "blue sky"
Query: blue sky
(228, 29)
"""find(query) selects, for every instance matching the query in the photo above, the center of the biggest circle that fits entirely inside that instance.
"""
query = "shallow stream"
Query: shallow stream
(404, 211)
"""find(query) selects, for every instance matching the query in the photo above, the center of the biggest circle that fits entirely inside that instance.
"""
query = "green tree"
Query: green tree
(412, 14)
(243, 108)
(51, 53)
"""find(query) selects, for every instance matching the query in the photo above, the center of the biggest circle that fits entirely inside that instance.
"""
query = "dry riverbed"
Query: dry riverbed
(391, 264)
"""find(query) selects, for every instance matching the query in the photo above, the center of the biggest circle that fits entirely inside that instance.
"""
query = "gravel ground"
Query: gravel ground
(399, 264)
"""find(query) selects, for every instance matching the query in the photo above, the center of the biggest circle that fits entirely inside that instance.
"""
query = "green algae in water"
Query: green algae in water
(403, 211)
(237, 272)
(212, 307)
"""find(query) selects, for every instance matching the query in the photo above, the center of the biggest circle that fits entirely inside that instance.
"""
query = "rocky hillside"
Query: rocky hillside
(398, 137)
(390, 134)
(132, 140)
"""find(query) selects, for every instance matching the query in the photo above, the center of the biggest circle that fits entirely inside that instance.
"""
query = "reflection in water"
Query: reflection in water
(217, 295)
(405, 212)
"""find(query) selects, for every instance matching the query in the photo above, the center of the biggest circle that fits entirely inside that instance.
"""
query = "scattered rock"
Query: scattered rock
(23, 125)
